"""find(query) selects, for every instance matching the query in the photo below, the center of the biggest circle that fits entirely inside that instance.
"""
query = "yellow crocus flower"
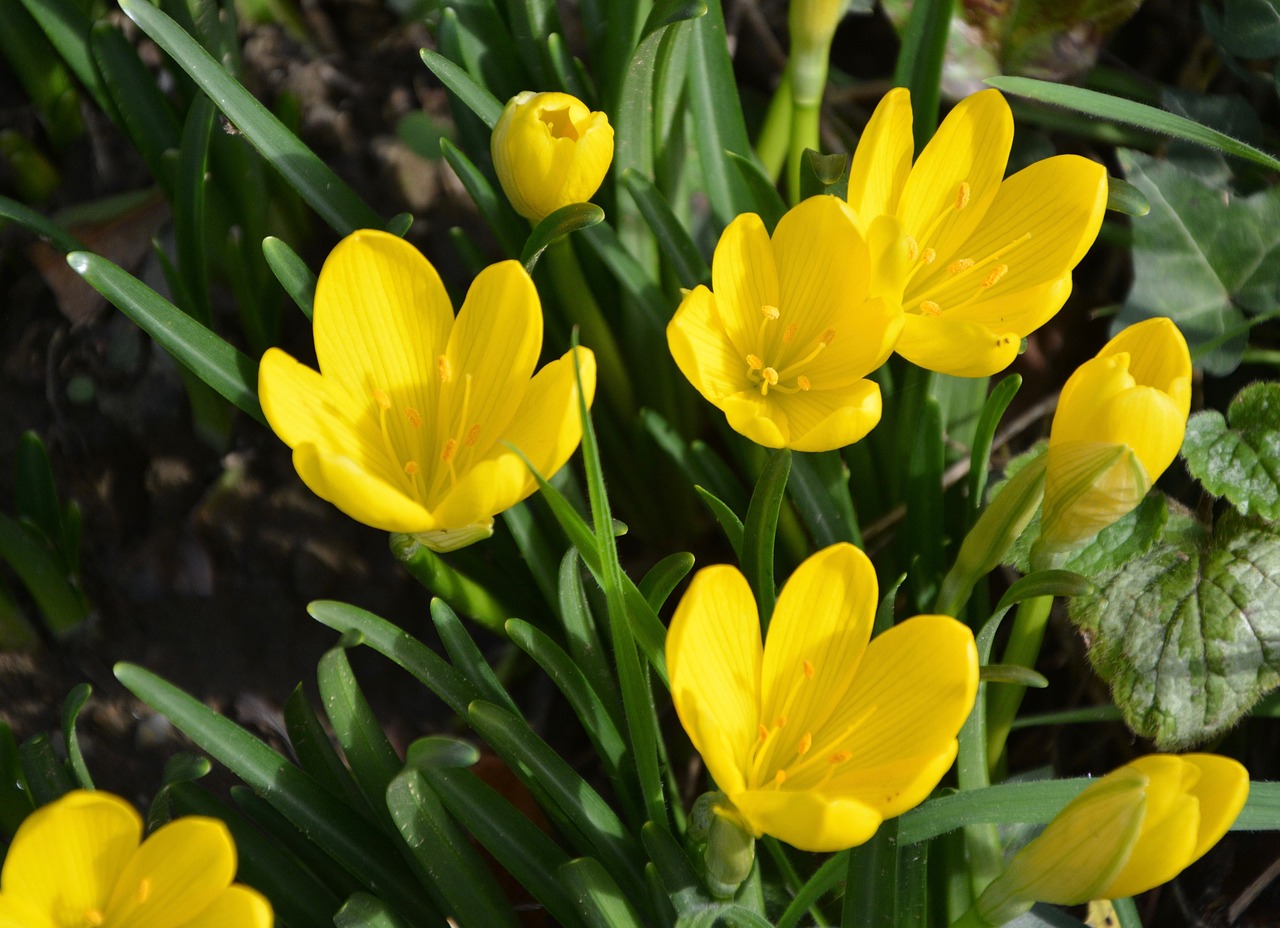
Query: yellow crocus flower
(790, 329)
(549, 150)
(414, 420)
(817, 736)
(1120, 422)
(81, 861)
(989, 258)
(1134, 829)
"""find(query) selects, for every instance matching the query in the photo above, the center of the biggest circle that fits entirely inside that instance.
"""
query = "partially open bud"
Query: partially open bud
(1134, 829)
(1119, 424)
(549, 151)
(730, 846)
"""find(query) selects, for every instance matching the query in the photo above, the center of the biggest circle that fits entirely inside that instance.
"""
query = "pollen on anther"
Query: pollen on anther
(780, 777)
(962, 265)
(411, 467)
(997, 272)
(962, 195)
(808, 670)
(764, 733)
(803, 383)
(827, 337)
(144, 890)
(94, 918)
(839, 757)
(380, 397)
(450, 448)
(928, 255)
(444, 370)
(789, 334)
(806, 742)
(769, 312)
(930, 308)
(414, 417)
(913, 248)
(472, 434)
(780, 722)
(770, 376)
(754, 362)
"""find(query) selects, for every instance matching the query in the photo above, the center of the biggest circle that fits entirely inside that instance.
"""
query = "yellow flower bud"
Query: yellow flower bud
(549, 151)
(1119, 424)
(812, 24)
(1137, 827)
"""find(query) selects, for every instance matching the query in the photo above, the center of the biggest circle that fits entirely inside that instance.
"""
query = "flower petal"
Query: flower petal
(175, 875)
(970, 147)
(1088, 485)
(744, 278)
(702, 349)
(822, 420)
(807, 820)
(757, 417)
(1018, 311)
(713, 656)
(1151, 424)
(882, 160)
(342, 481)
(546, 429)
(236, 906)
(863, 341)
(69, 854)
(1167, 841)
(962, 349)
(1158, 357)
(495, 342)
(16, 912)
(816, 641)
(1221, 790)
(381, 316)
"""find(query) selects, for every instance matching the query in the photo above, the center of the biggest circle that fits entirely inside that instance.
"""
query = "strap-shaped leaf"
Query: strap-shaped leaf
(298, 280)
(564, 221)
(466, 88)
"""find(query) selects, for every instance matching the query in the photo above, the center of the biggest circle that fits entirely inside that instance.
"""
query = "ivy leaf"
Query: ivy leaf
(1204, 257)
(1242, 461)
(1188, 635)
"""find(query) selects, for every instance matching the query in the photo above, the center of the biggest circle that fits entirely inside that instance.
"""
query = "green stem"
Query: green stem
(1023, 648)
(775, 135)
(805, 119)
(580, 306)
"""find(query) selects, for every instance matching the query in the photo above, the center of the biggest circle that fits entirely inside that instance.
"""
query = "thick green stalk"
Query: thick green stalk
(1023, 648)
(775, 134)
(805, 117)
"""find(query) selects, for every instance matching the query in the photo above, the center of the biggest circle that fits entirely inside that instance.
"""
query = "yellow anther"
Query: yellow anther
(827, 337)
(444, 370)
(380, 397)
(769, 312)
(770, 376)
(414, 417)
(962, 195)
(808, 670)
(957, 267)
(780, 722)
(928, 255)
(806, 742)
(411, 467)
(913, 248)
(93, 918)
(764, 733)
(450, 448)
(472, 434)
(839, 757)
(803, 383)
(754, 362)
(997, 272)
(780, 777)
(143, 891)
(789, 334)
(930, 308)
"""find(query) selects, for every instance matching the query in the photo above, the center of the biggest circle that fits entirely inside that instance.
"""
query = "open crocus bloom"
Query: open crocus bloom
(1120, 422)
(818, 736)
(1134, 829)
(414, 420)
(81, 861)
(989, 259)
(790, 329)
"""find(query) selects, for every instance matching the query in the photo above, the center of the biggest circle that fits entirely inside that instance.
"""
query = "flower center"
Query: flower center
(790, 378)
(560, 123)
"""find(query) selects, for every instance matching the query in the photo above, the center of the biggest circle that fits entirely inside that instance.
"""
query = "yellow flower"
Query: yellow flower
(412, 423)
(987, 261)
(549, 151)
(1137, 827)
(818, 736)
(793, 326)
(1119, 424)
(79, 862)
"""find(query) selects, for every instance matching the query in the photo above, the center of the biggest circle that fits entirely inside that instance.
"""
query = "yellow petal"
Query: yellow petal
(971, 147)
(914, 690)
(1090, 388)
(863, 339)
(744, 278)
(1039, 226)
(822, 420)
(817, 637)
(1088, 486)
(299, 408)
(69, 854)
(1221, 790)
(546, 429)
(1150, 423)
(757, 417)
(713, 656)
(175, 875)
(882, 160)
(492, 350)
(962, 349)
(807, 820)
(702, 350)
(1018, 311)
(381, 317)
(345, 483)
(236, 906)
(1166, 843)
(16, 912)
(1158, 357)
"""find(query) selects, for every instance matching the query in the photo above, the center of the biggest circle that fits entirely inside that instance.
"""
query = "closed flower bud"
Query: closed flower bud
(1134, 829)
(1119, 424)
(549, 151)
(812, 24)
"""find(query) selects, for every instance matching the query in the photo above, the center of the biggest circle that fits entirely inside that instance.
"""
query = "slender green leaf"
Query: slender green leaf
(599, 899)
(983, 436)
(71, 707)
(28, 218)
(15, 795)
(924, 46)
(1126, 199)
(46, 775)
(564, 221)
(677, 873)
(1012, 673)
(297, 279)
(441, 751)
(497, 212)
(871, 889)
(316, 754)
(664, 576)
(728, 519)
(465, 87)
(924, 531)
(819, 486)
(473, 599)
(767, 203)
(190, 186)
(36, 496)
(67, 26)
(467, 657)
(328, 195)
(1046, 583)
(825, 879)
(63, 606)
(677, 247)
(760, 529)
(364, 911)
